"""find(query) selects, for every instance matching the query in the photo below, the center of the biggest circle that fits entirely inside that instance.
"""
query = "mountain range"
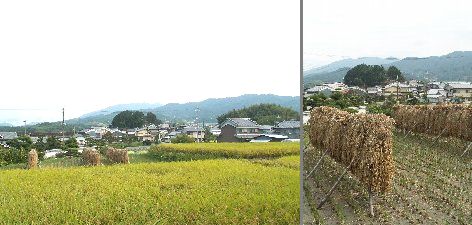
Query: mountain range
(455, 66)
(206, 110)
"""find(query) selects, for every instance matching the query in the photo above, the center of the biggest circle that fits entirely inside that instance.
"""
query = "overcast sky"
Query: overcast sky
(87, 55)
(335, 29)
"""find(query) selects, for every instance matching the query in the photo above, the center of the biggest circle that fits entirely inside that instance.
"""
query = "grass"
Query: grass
(431, 185)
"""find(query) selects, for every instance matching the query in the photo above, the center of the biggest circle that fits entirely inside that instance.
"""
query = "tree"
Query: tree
(53, 143)
(108, 136)
(182, 138)
(209, 137)
(152, 119)
(262, 114)
(71, 143)
(128, 119)
(372, 75)
(22, 142)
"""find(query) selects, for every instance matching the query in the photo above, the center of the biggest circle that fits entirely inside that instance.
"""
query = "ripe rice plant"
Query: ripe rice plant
(200, 192)
(445, 120)
(363, 141)
(228, 150)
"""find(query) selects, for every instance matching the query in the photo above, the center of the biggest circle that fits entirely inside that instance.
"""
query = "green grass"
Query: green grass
(198, 192)
(173, 152)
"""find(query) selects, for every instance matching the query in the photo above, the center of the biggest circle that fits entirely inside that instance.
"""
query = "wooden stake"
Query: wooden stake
(467, 149)
(371, 205)
(318, 163)
(436, 139)
(335, 184)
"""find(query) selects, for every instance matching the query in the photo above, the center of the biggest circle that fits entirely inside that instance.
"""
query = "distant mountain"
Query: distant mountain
(316, 78)
(456, 66)
(5, 125)
(208, 109)
(121, 107)
(349, 63)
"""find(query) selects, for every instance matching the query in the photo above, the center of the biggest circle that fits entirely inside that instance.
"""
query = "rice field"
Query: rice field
(229, 150)
(151, 191)
(431, 185)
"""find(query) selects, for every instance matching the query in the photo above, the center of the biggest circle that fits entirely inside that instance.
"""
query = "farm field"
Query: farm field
(150, 190)
(431, 185)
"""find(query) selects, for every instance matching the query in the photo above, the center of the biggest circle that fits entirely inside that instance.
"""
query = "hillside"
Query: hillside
(349, 63)
(456, 66)
(209, 108)
(121, 107)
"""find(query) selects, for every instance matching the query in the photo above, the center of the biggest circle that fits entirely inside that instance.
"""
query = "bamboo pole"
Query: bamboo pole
(318, 163)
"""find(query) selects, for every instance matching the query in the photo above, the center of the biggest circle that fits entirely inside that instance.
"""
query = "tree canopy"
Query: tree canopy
(371, 75)
(262, 114)
(134, 119)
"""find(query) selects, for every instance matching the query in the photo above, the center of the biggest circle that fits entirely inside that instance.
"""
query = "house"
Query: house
(290, 128)
(374, 90)
(81, 141)
(436, 95)
(170, 135)
(6, 136)
(265, 129)
(196, 132)
(238, 130)
(269, 138)
(327, 91)
(400, 88)
(461, 90)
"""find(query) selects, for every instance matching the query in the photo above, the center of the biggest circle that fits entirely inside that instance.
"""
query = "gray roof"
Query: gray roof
(240, 122)
(192, 129)
(288, 124)
(265, 127)
(460, 85)
(8, 135)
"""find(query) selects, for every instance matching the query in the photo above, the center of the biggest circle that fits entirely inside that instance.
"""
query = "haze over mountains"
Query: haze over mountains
(455, 66)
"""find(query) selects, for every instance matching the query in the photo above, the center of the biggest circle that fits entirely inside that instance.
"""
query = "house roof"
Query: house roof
(462, 85)
(192, 129)
(318, 88)
(240, 122)
(288, 124)
(8, 135)
(265, 127)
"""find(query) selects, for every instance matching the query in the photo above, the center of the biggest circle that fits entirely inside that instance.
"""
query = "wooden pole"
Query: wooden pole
(318, 163)
(436, 139)
(335, 184)
(470, 144)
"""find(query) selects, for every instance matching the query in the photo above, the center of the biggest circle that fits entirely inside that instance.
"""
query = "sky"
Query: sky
(335, 29)
(88, 55)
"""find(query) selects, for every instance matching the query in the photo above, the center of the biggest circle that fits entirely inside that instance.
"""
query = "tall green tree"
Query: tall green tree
(152, 119)
(371, 75)
(268, 114)
(128, 119)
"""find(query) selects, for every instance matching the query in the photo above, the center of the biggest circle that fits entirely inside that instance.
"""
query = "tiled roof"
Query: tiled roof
(460, 85)
(240, 122)
(8, 135)
(289, 124)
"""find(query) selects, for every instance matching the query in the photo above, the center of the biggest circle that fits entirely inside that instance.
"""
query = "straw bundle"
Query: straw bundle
(364, 138)
(32, 159)
(446, 120)
(91, 157)
(118, 155)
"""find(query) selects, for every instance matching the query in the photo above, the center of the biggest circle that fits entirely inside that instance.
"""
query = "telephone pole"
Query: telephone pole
(25, 127)
(63, 125)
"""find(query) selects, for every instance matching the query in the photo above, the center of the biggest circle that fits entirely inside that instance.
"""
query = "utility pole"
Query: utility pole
(398, 86)
(25, 127)
(63, 126)
(197, 110)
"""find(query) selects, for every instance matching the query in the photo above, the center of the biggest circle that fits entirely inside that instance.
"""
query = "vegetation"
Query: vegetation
(229, 150)
(430, 186)
(182, 138)
(372, 75)
(262, 114)
(199, 192)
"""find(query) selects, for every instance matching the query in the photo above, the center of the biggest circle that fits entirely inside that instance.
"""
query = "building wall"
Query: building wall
(227, 134)
(292, 133)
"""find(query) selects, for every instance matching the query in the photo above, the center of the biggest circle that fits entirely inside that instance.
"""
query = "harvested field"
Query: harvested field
(431, 185)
